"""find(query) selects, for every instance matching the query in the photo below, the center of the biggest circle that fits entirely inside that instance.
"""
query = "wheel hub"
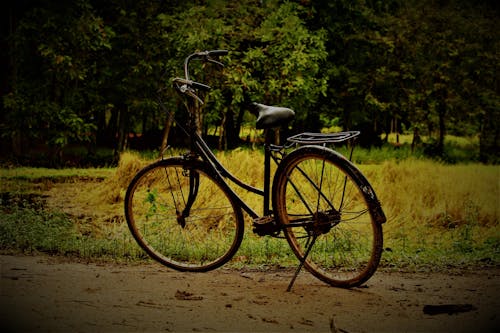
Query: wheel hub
(324, 221)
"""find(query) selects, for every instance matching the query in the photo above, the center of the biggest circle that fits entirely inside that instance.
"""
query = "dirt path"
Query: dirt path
(50, 294)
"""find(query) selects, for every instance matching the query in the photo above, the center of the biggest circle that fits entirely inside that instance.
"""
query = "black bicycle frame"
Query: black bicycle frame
(200, 148)
(222, 173)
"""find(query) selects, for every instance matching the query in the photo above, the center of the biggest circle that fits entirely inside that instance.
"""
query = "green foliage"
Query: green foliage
(89, 71)
(56, 54)
(284, 66)
(274, 57)
(412, 64)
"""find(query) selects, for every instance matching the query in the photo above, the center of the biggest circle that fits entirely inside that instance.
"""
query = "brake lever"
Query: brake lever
(218, 63)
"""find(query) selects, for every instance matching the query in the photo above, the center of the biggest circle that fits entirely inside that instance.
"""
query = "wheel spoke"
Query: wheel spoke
(348, 243)
(182, 217)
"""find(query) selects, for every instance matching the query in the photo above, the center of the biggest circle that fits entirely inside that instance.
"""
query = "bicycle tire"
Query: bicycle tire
(182, 216)
(341, 209)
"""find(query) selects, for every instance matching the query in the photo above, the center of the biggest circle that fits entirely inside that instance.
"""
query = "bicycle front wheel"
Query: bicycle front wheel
(329, 211)
(182, 216)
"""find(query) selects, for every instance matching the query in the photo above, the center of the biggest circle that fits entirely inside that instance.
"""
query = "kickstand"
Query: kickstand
(302, 261)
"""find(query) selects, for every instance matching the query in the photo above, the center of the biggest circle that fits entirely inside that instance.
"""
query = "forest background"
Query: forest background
(88, 73)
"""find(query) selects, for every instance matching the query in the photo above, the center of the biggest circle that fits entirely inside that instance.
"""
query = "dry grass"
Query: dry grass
(96, 208)
(428, 193)
(113, 188)
(437, 214)
(248, 166)
(413, 192)
(438, 210)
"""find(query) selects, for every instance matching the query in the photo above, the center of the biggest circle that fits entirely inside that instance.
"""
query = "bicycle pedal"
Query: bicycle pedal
(265, 225)
(263, 220)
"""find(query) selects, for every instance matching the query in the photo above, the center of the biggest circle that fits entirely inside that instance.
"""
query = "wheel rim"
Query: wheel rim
(346, 251)
(200, 238)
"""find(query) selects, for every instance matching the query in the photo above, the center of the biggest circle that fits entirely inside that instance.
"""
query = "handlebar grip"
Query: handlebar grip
(217, 52)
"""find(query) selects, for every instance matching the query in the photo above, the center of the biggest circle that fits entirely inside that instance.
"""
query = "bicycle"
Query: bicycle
(183, 213)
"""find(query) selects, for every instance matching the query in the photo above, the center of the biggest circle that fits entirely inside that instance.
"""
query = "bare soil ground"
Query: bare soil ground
(40, 293)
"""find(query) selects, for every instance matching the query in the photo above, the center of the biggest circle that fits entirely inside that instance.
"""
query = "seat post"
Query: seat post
(267, 169)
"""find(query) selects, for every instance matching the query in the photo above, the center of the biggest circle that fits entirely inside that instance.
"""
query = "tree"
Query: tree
(448, 66)
(283, 67)
(56, 50)
(273, 58)
(132, 73)
(91, 71)
(360, 64)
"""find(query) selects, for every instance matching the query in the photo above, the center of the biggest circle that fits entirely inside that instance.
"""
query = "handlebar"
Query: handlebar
(187, 86)
(205, 56)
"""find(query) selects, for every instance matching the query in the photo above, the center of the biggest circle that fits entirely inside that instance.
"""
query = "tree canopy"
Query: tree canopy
(88, 71)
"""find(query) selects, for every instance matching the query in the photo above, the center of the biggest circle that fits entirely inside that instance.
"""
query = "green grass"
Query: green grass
(30, 230)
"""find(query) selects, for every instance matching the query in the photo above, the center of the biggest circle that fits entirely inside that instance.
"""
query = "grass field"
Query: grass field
(439, 215)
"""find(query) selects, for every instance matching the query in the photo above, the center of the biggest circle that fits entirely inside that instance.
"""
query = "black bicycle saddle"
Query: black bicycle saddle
(271, 116)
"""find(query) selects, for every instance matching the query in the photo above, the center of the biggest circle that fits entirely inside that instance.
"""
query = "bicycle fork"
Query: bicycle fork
(194, 182)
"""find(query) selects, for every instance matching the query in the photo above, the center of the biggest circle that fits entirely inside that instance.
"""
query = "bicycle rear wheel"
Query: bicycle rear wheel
(182, 216)
(322, 200)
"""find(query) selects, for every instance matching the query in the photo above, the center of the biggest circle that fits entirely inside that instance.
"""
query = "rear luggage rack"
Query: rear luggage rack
(319, 138)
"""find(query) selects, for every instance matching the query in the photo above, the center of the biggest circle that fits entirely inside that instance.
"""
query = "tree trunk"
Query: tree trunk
(231, 135)
(166, 132)
(239, 121)
(222, 133)
(109, 133)
(416, 139)
(198, 117)
(489, 140)
(122, 130)
(442, 128)
(17, 143)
